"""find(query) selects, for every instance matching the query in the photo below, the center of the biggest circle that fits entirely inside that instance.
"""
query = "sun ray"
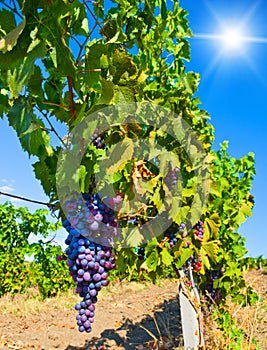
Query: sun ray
(249, 39)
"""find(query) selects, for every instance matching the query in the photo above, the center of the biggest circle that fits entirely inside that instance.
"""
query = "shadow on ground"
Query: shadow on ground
(164, 321)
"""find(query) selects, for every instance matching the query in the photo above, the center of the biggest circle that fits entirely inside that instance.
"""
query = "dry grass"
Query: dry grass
(31, 303)
(251, 319)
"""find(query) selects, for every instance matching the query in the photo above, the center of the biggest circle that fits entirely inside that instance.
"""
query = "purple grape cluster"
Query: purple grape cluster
(89, 250)
(61, 257)
(173, 236)
(89, 264)
(214, 293)
(171, 178)
(199, 231)
(97, 140)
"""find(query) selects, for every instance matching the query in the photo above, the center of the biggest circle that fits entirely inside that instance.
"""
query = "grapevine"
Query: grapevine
(63, 61)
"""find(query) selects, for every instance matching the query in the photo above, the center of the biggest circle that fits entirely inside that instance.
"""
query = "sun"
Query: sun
(232, 39)
(229, 39)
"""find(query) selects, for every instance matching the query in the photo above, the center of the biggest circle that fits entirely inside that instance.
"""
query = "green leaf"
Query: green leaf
(118, 38)
(122, 63)
(7, 22)
(35, 83)
(134, 237)
(82, 178)
(42, 173)
(18, 77)
(185, 255)
(240, 218)
(205, 260)
(107, 92)
(123, 94)
(79, 21)
(212, 226)
(177, 212)
(92, 73)
(163, 9)
(151, 262)
(4, 105)
(151, 245)
(166, 257)
(103, 61)
(34, 140)
(33, 126)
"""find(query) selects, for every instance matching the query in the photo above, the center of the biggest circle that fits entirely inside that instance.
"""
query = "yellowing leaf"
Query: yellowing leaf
(10, 40)
(211, 226)
(210, 249)
(122, 152)
(240, 218)
(214, 189)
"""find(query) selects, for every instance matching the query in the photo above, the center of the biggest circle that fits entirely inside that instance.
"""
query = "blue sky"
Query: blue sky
(233, 90)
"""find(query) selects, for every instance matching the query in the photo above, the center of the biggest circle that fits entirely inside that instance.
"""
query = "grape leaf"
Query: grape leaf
(121, 154)
(185, 255)
(210, 249)
(166, 257)
(7, 22)
(10, 40)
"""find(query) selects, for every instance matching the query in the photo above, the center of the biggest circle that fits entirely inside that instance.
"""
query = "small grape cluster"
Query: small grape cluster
(89, 264)
(214, 293)
(61, 257)
(171, 178)
(195, 263)
(173, 236)
(97, 140)
(140, 251)
(199, 231)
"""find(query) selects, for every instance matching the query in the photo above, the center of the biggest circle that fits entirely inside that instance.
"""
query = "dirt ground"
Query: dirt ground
(128, 316)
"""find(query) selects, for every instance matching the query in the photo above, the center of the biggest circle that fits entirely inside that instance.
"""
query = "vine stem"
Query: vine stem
(56, 105)
(90, 70)
(49, 205)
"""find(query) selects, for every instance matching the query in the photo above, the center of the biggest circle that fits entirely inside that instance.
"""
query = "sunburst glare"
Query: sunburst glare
(231, 39)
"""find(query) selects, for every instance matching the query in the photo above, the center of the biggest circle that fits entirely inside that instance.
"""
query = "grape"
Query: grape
(78, 307)
(97, 277)
(81, 329)
(87, 323)
(86, 276)
(91, 307)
